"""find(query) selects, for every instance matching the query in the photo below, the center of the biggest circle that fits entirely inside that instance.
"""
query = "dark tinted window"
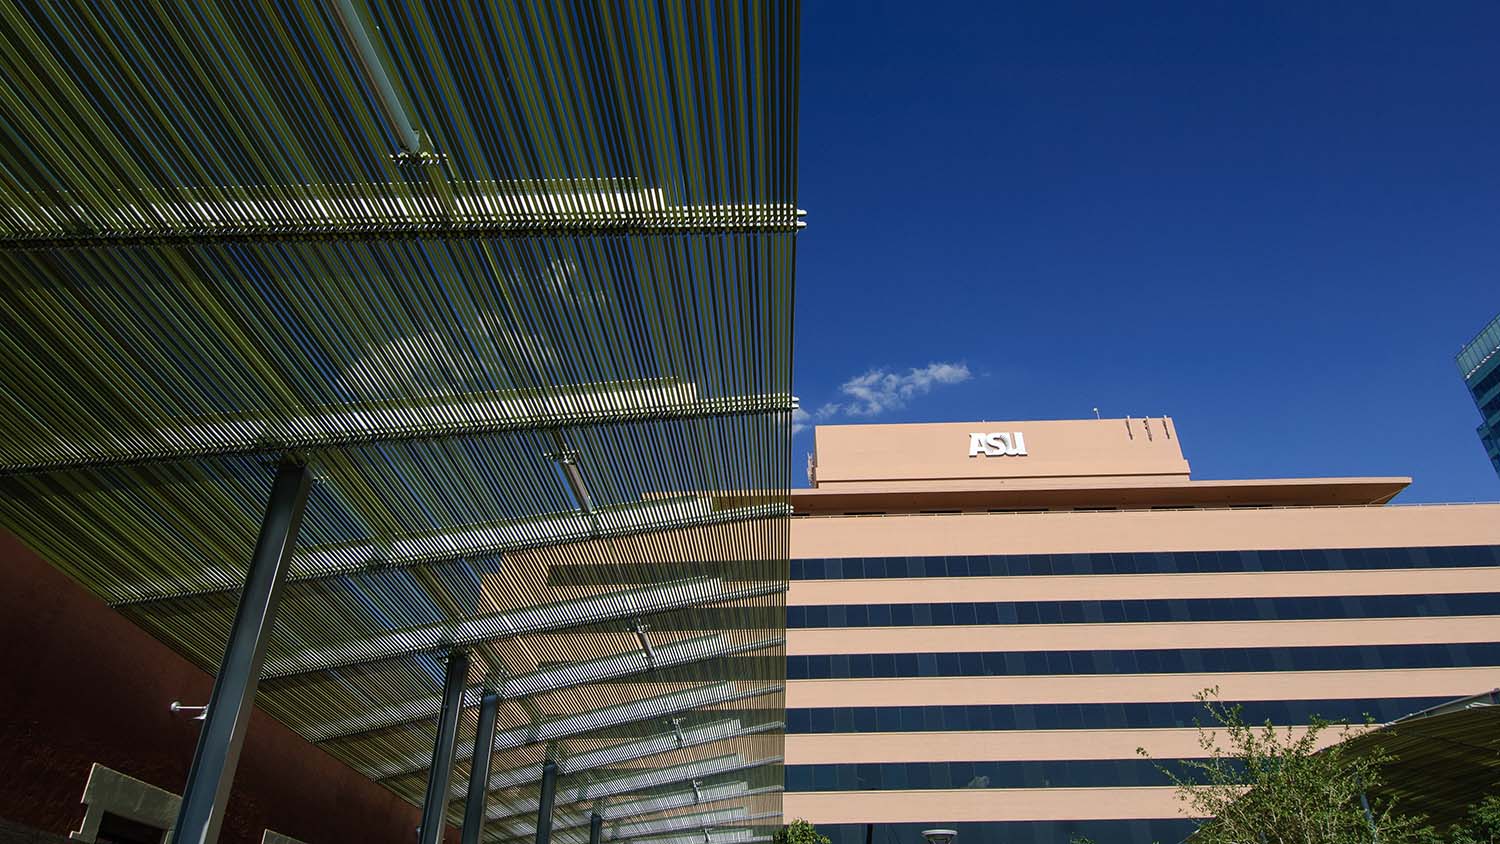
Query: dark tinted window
(1020, 832)
(1144, 610)
(1073, 716)
(1066, 773)
(1148, 563)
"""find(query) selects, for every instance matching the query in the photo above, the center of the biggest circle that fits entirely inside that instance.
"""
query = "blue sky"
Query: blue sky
(1275, 222)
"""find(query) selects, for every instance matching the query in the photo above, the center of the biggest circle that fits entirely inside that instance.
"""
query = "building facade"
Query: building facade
(987, 620)
(1479, 364)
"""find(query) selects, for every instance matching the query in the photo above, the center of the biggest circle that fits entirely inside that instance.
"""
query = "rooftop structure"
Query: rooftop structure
(333, 330)
(1131, 463)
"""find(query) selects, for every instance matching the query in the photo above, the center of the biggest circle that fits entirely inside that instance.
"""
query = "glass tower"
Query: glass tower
(1479, 364)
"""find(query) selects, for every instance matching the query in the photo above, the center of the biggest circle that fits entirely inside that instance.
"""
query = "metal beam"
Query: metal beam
(730, 816)
(385, 93)
(544, 803)
(651, 804)
(703, 795)
(516, 828)
(435, 804)
(476, 211)
(577, 612)
(227, 718)
(537, 682)
(479, 770)
(640, 781)
(723, 836)
(617, 715)
(371, 423)
(632, 750)
(486, 540)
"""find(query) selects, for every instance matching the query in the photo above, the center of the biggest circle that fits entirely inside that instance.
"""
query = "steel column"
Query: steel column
(479, 769)
(544, 809)
(596, 827)
(233, 699)
(435, 805)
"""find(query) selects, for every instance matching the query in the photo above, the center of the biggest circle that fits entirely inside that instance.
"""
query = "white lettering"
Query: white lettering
(997, 445)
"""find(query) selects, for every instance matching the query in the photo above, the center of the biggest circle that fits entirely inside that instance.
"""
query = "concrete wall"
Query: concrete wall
(1138, 531)
(84, 685)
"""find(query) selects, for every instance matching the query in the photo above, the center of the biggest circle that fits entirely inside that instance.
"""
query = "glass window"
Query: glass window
(1314, 559)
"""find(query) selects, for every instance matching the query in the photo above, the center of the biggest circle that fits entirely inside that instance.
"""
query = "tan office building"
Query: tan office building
(986, 620)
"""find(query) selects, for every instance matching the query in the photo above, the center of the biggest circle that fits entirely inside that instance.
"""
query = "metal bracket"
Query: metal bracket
(640, 628)
(179, 706)
(422, 158)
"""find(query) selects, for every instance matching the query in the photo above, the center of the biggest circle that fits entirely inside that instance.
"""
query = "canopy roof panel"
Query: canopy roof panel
(287, 119)
(1440, 762)
(515, 281)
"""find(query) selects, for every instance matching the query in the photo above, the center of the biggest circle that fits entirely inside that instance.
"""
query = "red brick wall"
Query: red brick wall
(83, 685)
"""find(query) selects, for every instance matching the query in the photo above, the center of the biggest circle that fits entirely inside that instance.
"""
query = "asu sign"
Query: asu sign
(997, 445)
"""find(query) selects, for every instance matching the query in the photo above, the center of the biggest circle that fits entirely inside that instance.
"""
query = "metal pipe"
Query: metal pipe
(596, 826)
(493, 627)
(575, 483)
(544, 807)
(479, 770)
(385, 92)
(1364, 803)
(206, 794)
(435, 804)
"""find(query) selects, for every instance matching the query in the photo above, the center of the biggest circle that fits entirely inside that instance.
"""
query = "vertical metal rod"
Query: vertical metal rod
(869, 827)
(596, 827)
(544, 809)
(233, 699)
(479, 769)
(1364, 803)
(435, 805)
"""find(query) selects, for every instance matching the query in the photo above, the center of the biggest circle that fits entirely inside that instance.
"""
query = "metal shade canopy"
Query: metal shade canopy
(1439, 762)
(509, 291)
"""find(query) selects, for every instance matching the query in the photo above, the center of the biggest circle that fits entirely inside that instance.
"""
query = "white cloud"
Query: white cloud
(800, 418)
(880, 390)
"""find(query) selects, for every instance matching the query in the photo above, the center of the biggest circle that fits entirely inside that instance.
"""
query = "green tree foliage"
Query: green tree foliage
(800, 831)
(1482, 825)
(1264, 785)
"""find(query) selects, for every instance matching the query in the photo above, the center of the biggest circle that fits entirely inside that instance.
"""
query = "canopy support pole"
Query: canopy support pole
(596, 827)
(206, 794)
(479, 769)
(435, 805)
(544, 810)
